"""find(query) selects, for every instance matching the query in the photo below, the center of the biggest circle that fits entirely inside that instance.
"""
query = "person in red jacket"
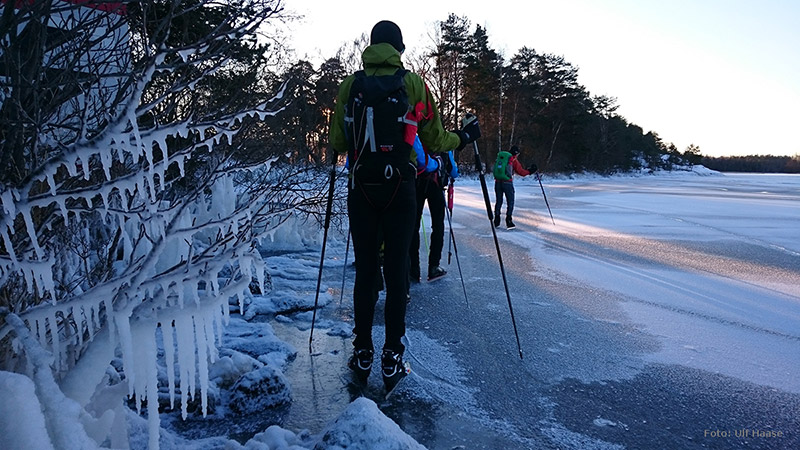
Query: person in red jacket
(506, 188)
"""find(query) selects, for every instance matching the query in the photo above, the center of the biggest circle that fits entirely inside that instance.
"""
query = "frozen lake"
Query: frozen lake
(657, 312)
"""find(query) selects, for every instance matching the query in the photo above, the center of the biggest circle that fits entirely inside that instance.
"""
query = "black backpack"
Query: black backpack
(377, 129)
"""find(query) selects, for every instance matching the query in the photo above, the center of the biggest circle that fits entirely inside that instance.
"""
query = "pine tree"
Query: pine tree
(483, 90)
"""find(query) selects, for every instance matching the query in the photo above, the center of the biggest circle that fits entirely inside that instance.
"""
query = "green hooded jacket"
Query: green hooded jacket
(383, 59)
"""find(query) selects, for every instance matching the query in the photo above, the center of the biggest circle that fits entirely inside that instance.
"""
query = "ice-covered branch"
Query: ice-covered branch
(127, 216)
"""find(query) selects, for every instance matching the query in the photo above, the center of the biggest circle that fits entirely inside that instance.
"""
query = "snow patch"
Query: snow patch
(362, 425)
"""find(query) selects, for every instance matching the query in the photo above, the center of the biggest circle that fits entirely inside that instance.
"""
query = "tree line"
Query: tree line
(754, 163)
(532, 100)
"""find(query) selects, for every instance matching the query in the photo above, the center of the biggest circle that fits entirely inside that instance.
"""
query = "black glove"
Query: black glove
(469, 132)
(533, 168)
(441, 171)
(462, 140)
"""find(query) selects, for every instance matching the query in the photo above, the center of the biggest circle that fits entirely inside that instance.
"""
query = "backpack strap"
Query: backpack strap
(348, 118)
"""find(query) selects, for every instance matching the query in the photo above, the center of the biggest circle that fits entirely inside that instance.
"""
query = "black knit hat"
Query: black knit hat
(514, 150)
(388, 32)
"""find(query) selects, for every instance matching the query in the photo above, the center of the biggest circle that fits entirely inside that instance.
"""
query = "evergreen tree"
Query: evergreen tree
(482, 90)
(450, 55)
(522, 102)
(329, 76)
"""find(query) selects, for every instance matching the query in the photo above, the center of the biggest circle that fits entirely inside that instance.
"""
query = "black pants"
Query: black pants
(428, 190)
(381, 212)
(504, 188)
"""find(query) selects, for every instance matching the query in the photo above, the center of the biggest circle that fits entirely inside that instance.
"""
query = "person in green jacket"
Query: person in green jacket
(382, 201)
(505, 187)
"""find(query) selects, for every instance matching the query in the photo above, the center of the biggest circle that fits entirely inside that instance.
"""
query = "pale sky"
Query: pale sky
(721, 74)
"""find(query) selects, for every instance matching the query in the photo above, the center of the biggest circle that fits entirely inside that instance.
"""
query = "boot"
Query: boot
(496, 220)
(392, 368)
(361, 363)
(509, 223)
(435, 273)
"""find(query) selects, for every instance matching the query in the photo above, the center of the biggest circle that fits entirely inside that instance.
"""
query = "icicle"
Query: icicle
(246, 270)
(169, 356)
(193, 294)
(109, 317)
(191, 337)
(62, 205)
(201, 342)
(135, 149)
(90, 323)
(162, 285)
(104, 198)
(84, 167)
(170, 287)
(180, 160)
(7, 242)
(72, 170)
(249, 220)
(152, 226)
(151, 373)
(105, 160)
(137, 380)
(51, 318)
(130, 191)
(162, 144)
(40, 332)
(26, 215)
(52, 182)
(260, 266)
(182, 129)
(209, 319)
(218, 322)
(119, 145)
(126, 343)
(148, 154)
(146, 380)
(127, 244)
(185, 54)
(148, 181)
(245, 265)
(29, 276)
(212, 283)
(179, 291)
(78, 324)
(241, 306)
(9, 205)
(43, 275)
(184, 331)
